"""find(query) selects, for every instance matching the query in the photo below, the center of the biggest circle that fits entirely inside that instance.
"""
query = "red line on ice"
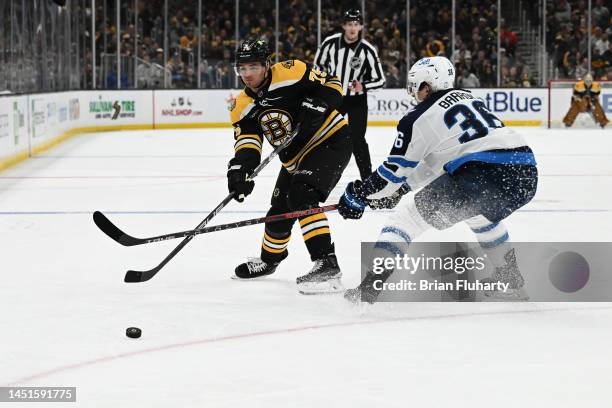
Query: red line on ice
(260, 334)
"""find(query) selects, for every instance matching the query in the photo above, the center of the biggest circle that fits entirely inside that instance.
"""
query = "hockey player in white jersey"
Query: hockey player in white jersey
(467, 165)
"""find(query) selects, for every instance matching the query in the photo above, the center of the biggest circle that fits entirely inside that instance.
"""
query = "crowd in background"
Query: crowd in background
(475, 56)
(567, 33)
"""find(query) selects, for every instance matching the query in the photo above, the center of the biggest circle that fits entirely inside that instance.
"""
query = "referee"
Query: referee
(355, 61)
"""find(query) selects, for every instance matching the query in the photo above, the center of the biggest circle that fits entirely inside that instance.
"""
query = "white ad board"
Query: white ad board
(528, 105)
(196, 107)
(30, 121)
(13, 125)
(115, 108)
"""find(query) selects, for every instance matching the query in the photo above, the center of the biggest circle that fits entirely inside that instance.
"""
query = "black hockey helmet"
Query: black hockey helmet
(352, 15)
(252, 51)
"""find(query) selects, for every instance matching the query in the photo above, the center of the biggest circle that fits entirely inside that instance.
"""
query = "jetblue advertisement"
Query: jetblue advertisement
(520, 106)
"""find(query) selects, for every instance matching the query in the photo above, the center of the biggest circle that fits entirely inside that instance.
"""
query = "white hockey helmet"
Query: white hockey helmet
(437, 72)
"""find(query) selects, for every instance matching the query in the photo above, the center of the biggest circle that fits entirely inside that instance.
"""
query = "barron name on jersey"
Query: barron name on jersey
(450, 128)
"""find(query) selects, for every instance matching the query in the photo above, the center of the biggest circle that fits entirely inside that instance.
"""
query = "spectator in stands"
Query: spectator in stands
(602, 44)
(561, 47)
(434, 46)
(570, 61)
(562, 10)
(488, 77)
(206, 74)
(608, 58)
(145, 72)
(385, 27)
(177, 68)
(467, 79)
(596, 37)
(111, 79)
(225, 72)
(598, 63)
(599, 14)
(467, 64)
(461, 53)
(582, 69)
(526, 80)
(159, 56)
(605, 22)
(509, 39)
(393, 77)
(510, 77)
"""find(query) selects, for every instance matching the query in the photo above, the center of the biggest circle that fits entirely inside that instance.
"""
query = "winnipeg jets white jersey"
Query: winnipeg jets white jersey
(442, 133)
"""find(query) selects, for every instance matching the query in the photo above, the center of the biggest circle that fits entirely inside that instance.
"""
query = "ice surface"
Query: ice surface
(209, 341)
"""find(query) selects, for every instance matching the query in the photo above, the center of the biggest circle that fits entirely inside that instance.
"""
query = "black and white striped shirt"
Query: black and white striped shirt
(348, 62)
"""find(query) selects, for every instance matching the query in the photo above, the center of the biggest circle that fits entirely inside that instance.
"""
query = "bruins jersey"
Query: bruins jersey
(581, 89)
(272, 113)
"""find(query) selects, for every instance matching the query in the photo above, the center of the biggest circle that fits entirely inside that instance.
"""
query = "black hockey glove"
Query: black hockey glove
(313, 112)
(391, 201)
(237, 180)
(352, 203)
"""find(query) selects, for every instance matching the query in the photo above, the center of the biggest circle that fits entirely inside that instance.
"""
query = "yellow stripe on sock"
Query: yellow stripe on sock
(272, 250)
(316, 232)
(276, 241)
(249, 136)
(248, 146)
(312, 218)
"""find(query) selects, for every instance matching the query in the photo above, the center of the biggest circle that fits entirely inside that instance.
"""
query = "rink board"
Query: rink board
(30, 124)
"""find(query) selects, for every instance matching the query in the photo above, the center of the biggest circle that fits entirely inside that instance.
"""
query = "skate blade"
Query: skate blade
(352, 296)
(512, 295)
(236, 278)
(358, 298)
(328, 287)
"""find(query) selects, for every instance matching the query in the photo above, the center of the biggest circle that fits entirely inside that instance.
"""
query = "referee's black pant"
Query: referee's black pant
(356, 107)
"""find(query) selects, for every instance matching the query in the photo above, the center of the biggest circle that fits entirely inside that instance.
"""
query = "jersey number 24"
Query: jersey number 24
(476, 122)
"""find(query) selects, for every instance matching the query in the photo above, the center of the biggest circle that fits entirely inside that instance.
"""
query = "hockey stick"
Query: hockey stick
(132, 276)
(127, 240)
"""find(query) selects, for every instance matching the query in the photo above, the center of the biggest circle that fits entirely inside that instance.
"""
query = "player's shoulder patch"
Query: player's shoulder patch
(287, 73)
(242, 105)
(287, 64)
(596, 87)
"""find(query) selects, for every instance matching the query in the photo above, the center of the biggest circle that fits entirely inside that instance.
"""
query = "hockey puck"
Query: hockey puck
(133, 332)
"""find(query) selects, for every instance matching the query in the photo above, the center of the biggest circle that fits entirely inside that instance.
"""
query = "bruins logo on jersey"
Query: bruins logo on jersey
(276, 125)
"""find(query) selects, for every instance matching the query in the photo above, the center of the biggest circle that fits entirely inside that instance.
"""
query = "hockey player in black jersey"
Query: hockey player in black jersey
(276, 100)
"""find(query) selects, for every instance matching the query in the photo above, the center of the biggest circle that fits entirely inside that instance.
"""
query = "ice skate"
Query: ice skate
(508, 273)
(365, 292)
(254, 268)
(361, 294)
(324, 277)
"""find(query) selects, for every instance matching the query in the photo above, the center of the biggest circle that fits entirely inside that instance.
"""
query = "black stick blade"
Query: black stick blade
(134, 277)
(110, 229)
(140, 276)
